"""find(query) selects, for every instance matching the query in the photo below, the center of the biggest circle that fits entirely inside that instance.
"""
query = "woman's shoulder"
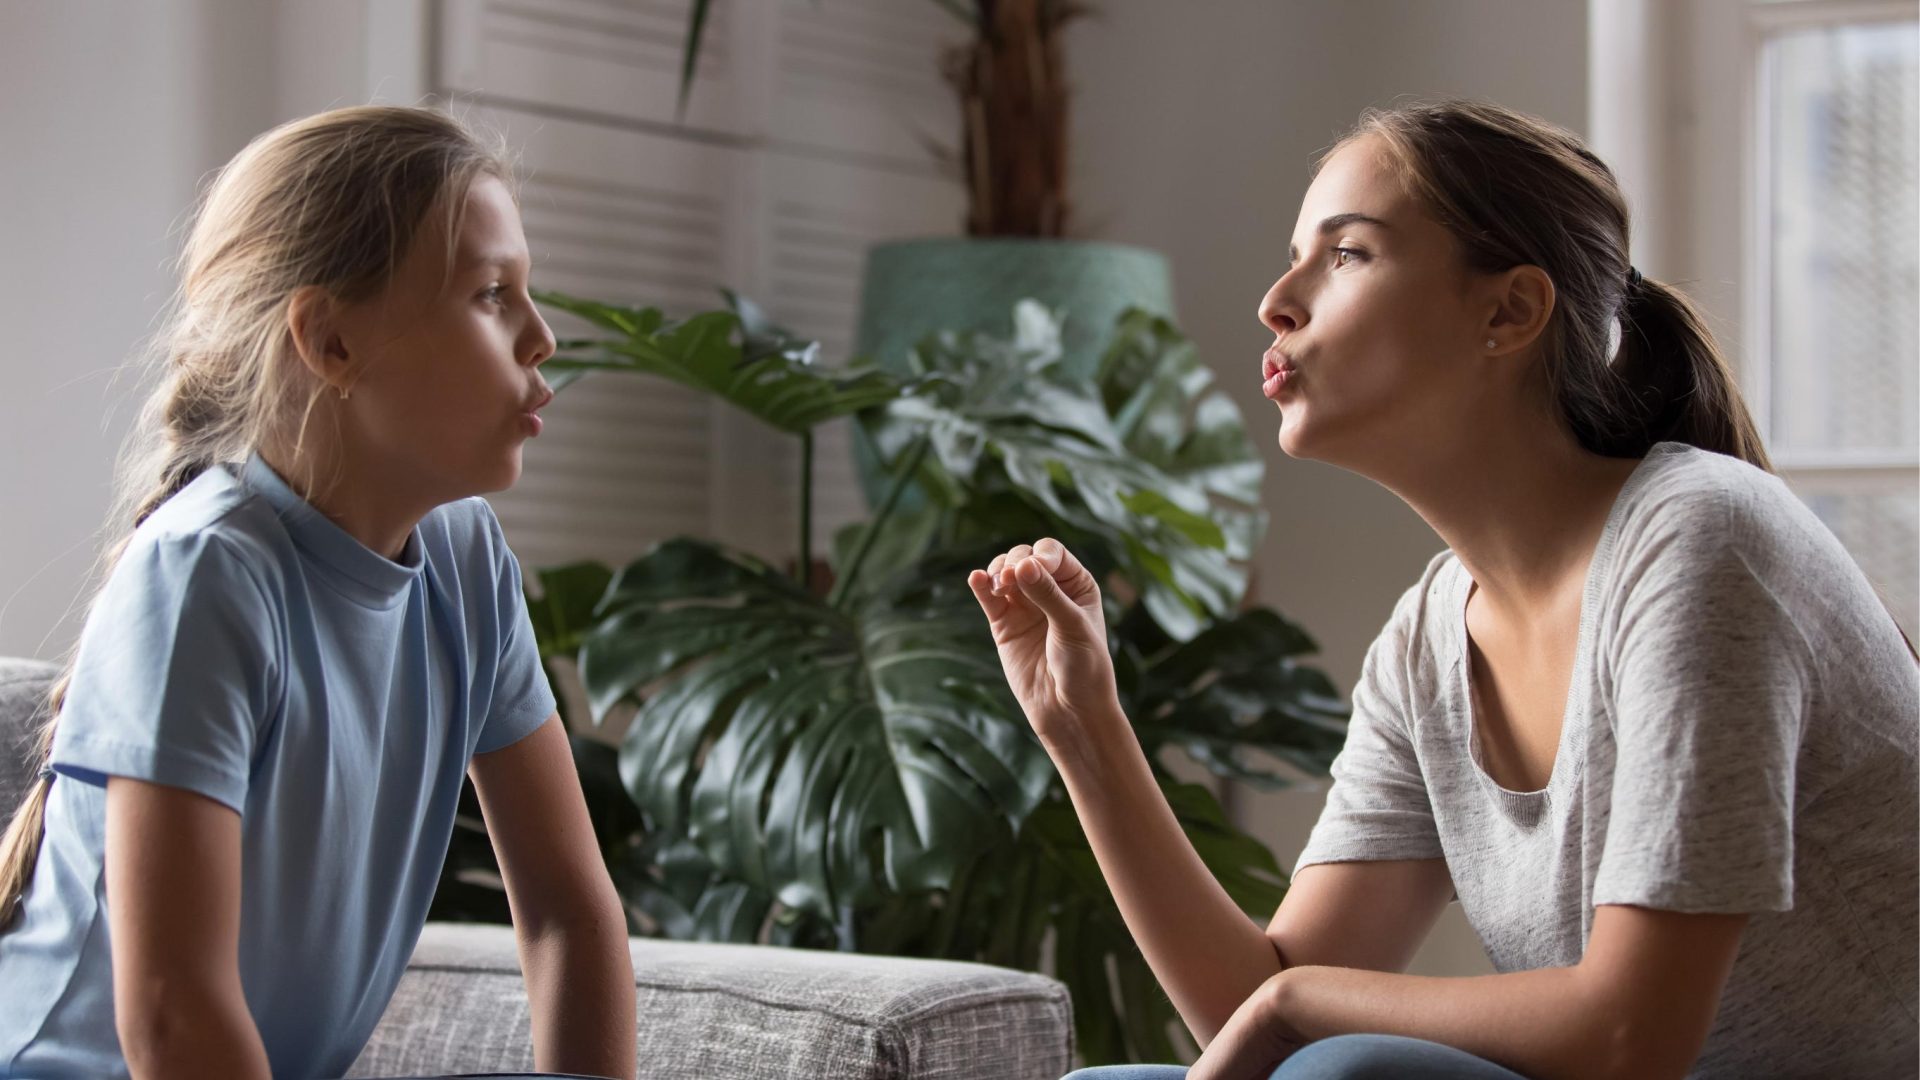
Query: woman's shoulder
(1423, 629)
(1685, 502)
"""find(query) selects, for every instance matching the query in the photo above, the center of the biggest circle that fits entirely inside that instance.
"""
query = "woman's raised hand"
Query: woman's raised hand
(1044, 608)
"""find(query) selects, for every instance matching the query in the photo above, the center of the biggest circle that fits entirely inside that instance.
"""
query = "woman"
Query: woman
(1644, 717)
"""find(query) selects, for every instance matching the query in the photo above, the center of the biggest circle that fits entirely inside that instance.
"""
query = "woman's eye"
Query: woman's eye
(1342, 256)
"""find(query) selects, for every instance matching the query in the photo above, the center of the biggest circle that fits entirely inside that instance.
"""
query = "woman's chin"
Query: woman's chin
(1292, 438)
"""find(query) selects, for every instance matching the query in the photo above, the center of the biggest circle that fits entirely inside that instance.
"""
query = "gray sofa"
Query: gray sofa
(706, 1011)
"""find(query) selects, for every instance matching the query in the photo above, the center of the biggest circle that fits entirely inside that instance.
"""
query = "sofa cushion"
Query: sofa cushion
(23, 705)
(737, 1011)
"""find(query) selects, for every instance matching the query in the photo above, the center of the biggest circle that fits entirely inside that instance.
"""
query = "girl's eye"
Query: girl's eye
(494, 294)
(1342, 256)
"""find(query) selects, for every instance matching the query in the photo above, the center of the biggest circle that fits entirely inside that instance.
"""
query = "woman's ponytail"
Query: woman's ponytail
(1628, 361)
(1674, 384)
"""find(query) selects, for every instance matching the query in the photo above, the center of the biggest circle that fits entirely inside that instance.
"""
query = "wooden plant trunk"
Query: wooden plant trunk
(1013, 101)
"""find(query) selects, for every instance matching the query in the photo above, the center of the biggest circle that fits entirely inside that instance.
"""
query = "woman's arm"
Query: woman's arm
(1640, 1003)
(1045, 613)
(1205, 952)
(173, 898)
(567, 917)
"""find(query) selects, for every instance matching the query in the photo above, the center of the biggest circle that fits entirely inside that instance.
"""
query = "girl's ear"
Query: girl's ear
(1523, 300)
(313, 324)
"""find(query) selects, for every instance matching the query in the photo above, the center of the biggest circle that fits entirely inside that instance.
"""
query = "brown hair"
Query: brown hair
(332, 200)
(1514, 191)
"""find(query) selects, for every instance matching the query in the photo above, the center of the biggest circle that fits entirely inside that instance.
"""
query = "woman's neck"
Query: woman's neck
(1522, 512)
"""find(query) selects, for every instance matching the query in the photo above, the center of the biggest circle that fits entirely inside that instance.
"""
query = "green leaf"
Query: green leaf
(690, 52)
(1171, 415)
(818, 755)
(750, 364)
(1237, 688)
(903, 539)
(1120, 462)
(1196, 527)
(562, 612)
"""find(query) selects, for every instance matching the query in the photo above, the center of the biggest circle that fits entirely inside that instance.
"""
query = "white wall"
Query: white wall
(1195, 129)
(111, 113)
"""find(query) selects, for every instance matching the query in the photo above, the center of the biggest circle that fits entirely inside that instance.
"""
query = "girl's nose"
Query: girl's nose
(543, 345)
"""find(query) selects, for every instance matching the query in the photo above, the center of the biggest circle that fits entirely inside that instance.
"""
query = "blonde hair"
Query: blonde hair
(332, 200)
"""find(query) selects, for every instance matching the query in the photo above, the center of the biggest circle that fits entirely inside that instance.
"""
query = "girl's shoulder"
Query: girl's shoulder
(468, 532)
(214, 518)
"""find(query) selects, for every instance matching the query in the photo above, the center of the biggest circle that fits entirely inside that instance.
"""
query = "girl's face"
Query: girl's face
(1377, 323)
(447, 386)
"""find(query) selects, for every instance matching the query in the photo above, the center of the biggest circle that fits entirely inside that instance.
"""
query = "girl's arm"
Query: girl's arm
(569, 921)
(173, 897)
(1640, 1003)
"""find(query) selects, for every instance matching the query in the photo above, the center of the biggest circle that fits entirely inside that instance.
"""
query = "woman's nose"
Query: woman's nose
(1279, 312)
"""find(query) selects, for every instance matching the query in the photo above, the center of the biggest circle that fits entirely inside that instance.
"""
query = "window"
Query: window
(1834, 331)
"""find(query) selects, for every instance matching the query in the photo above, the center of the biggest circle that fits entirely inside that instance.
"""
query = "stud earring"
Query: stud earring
(1492, 344)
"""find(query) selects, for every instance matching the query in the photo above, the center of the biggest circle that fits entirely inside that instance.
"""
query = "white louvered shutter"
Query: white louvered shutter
(803, 145)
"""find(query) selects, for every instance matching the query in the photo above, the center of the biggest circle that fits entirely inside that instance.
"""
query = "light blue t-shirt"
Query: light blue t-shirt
(249, 649)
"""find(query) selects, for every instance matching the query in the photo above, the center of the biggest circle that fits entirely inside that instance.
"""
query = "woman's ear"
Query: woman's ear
(1523, 304)
(313, 324)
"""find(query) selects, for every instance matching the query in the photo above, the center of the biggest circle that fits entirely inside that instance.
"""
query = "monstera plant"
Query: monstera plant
(845, 767)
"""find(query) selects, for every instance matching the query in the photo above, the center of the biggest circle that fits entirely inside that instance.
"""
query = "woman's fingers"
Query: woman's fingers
(1013, 558)
(1037, 584)
(1041, 573)
(981, 582)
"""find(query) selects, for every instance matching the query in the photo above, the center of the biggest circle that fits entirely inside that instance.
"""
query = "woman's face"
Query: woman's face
(1377, 323)
(448, 386)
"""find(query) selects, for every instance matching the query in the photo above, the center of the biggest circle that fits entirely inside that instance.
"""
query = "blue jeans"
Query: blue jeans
(1345, 1057)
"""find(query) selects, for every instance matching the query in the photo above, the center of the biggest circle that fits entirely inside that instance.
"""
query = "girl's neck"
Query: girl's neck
(363, 500)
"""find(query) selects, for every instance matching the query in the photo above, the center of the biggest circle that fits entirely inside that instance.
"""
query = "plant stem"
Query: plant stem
(910, 465)
(804, 572)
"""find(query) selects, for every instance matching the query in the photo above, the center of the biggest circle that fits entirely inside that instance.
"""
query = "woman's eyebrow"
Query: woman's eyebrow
(1335, 223)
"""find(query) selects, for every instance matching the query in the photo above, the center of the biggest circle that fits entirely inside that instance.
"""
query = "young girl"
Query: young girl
(313, 632)
(1645, 717)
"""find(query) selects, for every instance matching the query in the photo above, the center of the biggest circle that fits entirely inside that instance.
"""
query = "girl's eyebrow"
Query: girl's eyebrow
(503, 258)
(1337, 222)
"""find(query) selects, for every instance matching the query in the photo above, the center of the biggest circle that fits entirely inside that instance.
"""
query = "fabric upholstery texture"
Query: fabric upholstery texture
(23, 699)
(737, 1011)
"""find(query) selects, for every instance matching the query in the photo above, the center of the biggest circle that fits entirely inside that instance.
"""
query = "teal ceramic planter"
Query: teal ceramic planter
(917, 287)
(914, 288)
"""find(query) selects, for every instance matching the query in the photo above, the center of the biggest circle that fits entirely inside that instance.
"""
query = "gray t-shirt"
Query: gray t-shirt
(1740, 737)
